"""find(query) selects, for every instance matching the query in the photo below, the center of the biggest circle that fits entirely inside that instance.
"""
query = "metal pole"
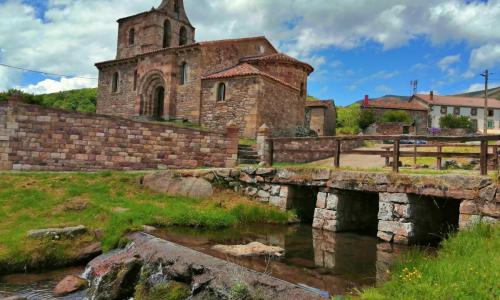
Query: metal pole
(486, 75)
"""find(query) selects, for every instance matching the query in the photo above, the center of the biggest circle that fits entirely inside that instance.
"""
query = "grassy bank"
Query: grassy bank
(109, 204)
(467, 267)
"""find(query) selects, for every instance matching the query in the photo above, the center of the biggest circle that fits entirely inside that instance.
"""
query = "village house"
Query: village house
(162, 73)
(439, 106)
(417, 111)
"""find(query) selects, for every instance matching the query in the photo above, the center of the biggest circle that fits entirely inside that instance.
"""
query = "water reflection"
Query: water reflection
(337, 263)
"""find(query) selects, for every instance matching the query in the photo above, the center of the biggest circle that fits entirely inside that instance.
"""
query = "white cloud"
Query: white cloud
(480, 87)
(76, 34)
(384, 89)
(445, 63)
(52, 86)
(486, 56)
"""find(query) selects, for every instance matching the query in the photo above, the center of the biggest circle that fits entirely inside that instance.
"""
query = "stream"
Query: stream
(337, 263)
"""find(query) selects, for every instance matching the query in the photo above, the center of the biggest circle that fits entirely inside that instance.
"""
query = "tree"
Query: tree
(366, 118)
(397, 116)
(453, 122)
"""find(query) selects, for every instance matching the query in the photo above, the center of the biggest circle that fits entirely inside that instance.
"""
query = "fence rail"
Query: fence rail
(394, 151)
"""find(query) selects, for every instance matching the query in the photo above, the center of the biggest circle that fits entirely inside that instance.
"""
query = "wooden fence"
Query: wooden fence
(395, 152)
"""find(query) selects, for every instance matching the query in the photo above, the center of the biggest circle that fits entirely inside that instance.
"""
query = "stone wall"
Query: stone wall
(280, 107)
(420, 117)
(239, 107)
(49, 139)
(389, 129)
(5, 132)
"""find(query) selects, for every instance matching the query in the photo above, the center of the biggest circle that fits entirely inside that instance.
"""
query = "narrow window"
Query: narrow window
(444, 110)
(491, 124)
(177, 8)
(456, 110)
(114, 85)
(131, 36)
(184, 73)
(221, 92)
(166, 34)
(491, 112)
(136, 76)
(183, 36)
(473, 111)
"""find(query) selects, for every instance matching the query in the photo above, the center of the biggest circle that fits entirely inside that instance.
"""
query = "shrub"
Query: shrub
(348, 130)
(366, 118)
(348, 116)
(397, 116)
(453, 122)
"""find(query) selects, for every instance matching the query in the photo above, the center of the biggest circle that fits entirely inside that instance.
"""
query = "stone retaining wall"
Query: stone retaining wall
(37, 138)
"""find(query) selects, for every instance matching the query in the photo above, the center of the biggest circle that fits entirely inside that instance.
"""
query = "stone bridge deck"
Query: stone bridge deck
(399, 208)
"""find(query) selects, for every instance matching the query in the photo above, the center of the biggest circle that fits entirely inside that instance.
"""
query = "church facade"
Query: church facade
(162, 73)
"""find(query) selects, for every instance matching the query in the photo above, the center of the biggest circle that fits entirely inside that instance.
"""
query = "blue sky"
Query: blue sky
(357, 47)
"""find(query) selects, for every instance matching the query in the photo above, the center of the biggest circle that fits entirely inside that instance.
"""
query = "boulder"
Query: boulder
(252, 249)
(57, 233)
(68, 285)
(89, 252)
(172, 185)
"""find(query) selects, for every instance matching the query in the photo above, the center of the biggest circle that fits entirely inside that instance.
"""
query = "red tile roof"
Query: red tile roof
(245, 70)
(278, 57)
(457, 101)
(319, 103)
(395, 103)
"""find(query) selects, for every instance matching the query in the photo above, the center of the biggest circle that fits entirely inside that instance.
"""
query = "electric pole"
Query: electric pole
(486, 76)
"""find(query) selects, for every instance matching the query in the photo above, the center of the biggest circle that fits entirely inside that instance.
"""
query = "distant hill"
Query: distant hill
(493, 93)
(81, 100)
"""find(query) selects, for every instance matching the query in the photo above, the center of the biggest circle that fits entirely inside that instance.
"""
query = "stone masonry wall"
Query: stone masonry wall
(239, 107)
(5, 133)
(49, 139)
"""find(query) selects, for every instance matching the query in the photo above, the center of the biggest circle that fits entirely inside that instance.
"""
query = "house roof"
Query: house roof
(395, 103)
(457, 101)
(319, 103)
(242, 70)
(278, 57)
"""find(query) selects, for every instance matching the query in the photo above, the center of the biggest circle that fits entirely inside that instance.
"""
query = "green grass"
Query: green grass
(113, 203)
(467, 267)
(248, 142)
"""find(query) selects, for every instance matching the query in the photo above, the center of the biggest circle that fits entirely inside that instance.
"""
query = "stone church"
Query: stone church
(162, 73)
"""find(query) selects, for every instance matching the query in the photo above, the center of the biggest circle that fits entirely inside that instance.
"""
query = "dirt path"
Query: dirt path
(357, 160)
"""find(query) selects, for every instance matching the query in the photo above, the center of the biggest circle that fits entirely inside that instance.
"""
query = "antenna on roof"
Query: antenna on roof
(414, 86)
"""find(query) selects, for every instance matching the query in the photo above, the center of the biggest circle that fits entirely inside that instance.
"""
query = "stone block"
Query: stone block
(284, 191)
(244, 177)
(325, 214)
(385, 236)
(402, 211)
(275, 190)
(386, 211)
(491, 209)
(263, 194)
(330, 225)
(332, 201)
(401, 240)
(251, 191)
(488, 193)
(395, 197)
(469, 207)
(321, 174)
(398, 228)
(318, 223)
(278, 202)
(265, 171)
(321, 200)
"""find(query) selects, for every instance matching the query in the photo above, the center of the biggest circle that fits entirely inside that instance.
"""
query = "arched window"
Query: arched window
(221, 92)
(136, 77)
(177, 8)
(167, 29)
(183, 36)
(131, 36)
(114, 84)
(184, 73)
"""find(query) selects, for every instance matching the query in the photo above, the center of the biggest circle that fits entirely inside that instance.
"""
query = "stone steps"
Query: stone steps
(247, 155)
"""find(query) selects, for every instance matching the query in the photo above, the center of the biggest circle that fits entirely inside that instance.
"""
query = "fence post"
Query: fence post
(388, 157)
(439, 158)
(395, 162)
(495, 157)
(263, 133)
(484, 158)
(338, 147)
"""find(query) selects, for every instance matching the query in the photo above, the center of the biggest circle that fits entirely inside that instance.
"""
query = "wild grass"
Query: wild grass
(109, 203)
(466, 267)
(248, 142)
